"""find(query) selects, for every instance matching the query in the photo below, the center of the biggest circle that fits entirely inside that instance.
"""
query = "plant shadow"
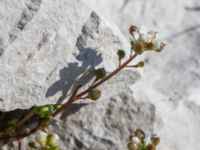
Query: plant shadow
(74, 74)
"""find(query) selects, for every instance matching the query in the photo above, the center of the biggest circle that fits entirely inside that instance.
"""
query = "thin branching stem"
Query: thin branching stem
(75, 96)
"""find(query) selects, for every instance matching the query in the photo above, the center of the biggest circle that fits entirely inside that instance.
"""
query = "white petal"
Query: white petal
(148, 139)
(40, 136)
(156, 36)
(136, 140)
(56, 137)
(157, 44)
(147, 37)
(136, 36)
(143, 30)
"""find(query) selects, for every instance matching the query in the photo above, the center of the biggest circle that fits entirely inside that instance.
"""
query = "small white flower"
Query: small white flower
(56, 137)
(136, 36)
(147, 38)
(136, 140)
(148, 139)
(143, 30)
(41, 137)
(157, 44)
(150, 37)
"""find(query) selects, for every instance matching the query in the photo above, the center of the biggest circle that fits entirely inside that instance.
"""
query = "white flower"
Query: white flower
(143, 41)
(136, 140)
(157, 44)
(150, 37)
(41, 137)
(148, 139)
(143, 30)
(56, 137)
(136, 36)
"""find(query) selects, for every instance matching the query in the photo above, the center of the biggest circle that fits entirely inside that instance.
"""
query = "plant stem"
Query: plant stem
(26, 118)
(71, 99)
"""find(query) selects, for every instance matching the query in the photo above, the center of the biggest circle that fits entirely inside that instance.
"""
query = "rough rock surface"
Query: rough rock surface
(166, 98)
(47, 47)
(171, 79)
(106, 124)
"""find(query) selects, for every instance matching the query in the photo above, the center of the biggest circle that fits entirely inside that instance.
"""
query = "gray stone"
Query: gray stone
(47, 48)
(172, 78)
(107, 123)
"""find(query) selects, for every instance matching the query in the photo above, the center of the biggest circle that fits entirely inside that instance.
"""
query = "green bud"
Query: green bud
(44, 123)
(162, 46)
(94, 94)
(43, 111)
(132, 29)
(140, 134)
(130, 146)
(121, 54)
(32, 145)
(149, 46)
(100, 73)
(140, 64)
(155, 140)
(138, 48)
(151, 147)
(50, 140)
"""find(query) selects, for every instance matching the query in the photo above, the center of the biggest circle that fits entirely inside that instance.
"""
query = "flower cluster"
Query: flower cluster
(43, 141)
(141, 142)
(141, 40)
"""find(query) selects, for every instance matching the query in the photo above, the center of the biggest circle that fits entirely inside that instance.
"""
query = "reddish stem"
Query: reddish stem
(72, 98)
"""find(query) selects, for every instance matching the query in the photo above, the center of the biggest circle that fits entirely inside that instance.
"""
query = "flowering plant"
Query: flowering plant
(139, 141)
(17, 129)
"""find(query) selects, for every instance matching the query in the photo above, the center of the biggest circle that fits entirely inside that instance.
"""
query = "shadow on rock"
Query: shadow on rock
(75, 74)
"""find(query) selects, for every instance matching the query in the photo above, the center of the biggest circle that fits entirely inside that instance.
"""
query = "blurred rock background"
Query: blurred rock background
(164, 97)
(171, 80)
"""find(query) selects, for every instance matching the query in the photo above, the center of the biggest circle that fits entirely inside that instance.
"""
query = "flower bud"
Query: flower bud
(43, 111)
(140, 134)
(151, 147)
(162, 45)
(121, 54)
(140, 64)
(44, 123)
(155, 140)
(149, 46)
(100, 73)
(132, 146)
(51, 139)
(136, 140)
(94, 94)
(132, 29)
(41, 138)
(138, 48)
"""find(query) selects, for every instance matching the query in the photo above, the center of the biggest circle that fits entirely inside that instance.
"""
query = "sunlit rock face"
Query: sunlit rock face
(171, 79)
(47, 48)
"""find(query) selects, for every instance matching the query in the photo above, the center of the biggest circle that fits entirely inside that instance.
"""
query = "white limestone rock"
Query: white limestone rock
(46, 45)
(171, 79)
